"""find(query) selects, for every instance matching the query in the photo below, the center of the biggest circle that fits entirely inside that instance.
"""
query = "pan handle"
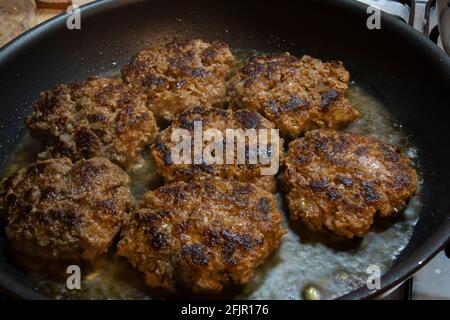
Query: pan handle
(412, 10)
(443, 8)
(443, 20)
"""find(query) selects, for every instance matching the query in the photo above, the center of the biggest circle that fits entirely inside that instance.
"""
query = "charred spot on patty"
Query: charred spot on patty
(295, 102)
(248, 120)
(263, 206)
(328, 97)
(196, 253)
(87, 143)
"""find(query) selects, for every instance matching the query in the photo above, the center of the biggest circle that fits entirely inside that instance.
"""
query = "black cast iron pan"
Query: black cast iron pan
(403, 69)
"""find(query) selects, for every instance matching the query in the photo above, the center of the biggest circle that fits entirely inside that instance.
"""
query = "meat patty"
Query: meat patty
(58, 210)
(181, 75)
(221, 120)
(296, 94)
(101, 117)
(340, 181)
(202, 235)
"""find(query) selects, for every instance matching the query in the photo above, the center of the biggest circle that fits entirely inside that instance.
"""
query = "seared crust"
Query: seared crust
(59, 210)
(213, 118)
(181, 75)
(101, 117)
(340, 181)
(202, 235)
(298, 95)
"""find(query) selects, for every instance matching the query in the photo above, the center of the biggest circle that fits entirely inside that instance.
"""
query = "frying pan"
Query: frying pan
(398, 65)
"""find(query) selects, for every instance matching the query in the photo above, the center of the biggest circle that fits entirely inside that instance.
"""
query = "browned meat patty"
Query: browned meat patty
(181, 75)
(213, 118)
(341, 181)
(101, 117)
(296, 94)
(202, 235)
(59, 210)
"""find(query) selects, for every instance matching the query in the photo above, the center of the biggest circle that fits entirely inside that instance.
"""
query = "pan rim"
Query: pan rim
(396, 275)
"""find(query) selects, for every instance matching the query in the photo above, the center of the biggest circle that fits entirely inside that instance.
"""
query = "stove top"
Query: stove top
(433, 280)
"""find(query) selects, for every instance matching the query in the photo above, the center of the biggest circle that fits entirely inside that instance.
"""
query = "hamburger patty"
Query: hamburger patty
(58, 210)
(296, 94)
(213, 118)
(202, 235)
(181, 75)
(340, 181)
(101, 117)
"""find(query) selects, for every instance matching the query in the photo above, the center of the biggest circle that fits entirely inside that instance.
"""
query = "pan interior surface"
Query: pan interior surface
(391, 64)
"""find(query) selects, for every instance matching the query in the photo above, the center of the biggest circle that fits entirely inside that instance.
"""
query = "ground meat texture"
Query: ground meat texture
(340, 181)
(101, 117)
(298, 95)
(213, 118)
(58, 210)
(181, 75)
(203, 235)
